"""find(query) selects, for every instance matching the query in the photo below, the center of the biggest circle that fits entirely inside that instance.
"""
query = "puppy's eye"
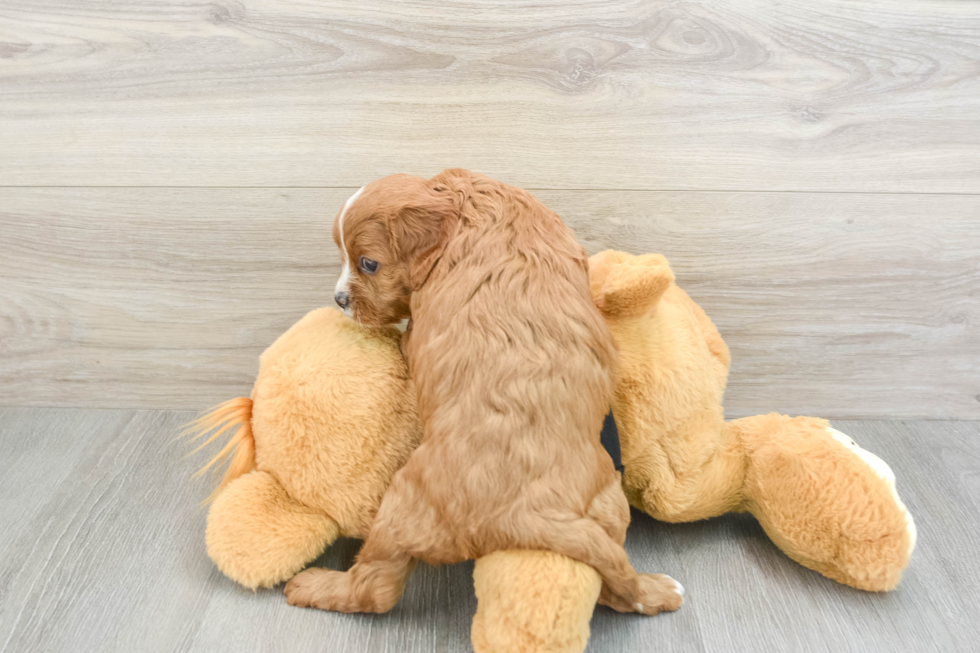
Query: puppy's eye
(369, 266)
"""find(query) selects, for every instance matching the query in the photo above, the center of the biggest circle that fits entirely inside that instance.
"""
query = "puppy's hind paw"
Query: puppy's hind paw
(309, 588)
(659, 593)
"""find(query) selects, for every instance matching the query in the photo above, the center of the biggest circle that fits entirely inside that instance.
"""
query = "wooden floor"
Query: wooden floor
(102, 549)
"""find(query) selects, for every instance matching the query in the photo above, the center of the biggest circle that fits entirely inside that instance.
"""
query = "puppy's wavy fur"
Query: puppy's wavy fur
(513, 366)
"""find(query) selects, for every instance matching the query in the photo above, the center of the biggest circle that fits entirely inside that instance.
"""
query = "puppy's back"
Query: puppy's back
(513, 361)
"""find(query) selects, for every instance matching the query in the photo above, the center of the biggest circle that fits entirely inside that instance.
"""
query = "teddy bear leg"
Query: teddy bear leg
(827, 503)
(532, 601)
(259, 536)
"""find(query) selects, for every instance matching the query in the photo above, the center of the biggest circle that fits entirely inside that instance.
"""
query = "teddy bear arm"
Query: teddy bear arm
(259, 536)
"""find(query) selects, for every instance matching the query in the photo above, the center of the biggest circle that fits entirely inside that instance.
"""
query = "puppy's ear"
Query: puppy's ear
(422, 228)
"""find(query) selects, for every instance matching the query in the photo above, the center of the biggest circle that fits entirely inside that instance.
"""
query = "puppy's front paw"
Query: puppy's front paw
(310, 588)
(659, 593)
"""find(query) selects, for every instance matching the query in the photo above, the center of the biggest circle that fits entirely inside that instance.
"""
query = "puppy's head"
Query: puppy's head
(390, 234)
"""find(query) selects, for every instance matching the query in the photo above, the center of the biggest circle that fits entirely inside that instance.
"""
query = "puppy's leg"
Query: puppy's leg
(377, 579)
(373, 584)
(657, 592)
(597, 540)
(622, 588)
(611, 510)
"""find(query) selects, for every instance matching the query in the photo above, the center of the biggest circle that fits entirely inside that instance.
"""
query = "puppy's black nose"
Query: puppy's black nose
(342, 299)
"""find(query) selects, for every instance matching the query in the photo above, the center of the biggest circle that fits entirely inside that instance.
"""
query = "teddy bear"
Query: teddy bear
(826, 502)
(332, 417)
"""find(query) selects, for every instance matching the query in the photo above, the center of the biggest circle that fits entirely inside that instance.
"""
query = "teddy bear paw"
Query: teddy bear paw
(881, 469)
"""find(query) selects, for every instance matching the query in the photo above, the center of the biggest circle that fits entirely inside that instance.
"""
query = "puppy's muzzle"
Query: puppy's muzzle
(342, 299)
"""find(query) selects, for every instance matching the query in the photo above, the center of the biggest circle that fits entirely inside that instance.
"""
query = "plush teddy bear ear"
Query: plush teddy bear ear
(624, 285)
(600, 265)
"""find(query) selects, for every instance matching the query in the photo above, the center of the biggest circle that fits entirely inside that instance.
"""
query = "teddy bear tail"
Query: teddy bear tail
(240, 447)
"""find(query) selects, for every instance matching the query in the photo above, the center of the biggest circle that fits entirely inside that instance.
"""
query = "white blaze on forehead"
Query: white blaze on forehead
(343, 283)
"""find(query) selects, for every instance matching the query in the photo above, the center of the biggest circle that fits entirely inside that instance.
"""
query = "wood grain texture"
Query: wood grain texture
(841, 305)
(770, 95)
(103, 550)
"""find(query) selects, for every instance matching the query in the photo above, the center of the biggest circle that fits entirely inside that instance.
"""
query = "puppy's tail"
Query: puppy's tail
(240, 446)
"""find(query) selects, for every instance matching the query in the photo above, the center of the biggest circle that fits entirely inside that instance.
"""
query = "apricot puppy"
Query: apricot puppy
(513, 366)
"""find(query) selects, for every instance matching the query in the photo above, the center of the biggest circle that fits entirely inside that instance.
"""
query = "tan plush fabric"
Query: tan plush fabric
(828, 504)
(533, 602)
(259, 536)
(331, 419)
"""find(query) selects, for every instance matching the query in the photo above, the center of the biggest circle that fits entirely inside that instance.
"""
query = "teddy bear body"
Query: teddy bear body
(669, 388)
(334, 417)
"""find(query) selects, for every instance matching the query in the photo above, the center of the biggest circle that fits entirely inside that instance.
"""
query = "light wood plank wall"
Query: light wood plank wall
(169, 168)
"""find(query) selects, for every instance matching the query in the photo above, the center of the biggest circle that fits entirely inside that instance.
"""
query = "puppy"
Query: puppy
(513, 365)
